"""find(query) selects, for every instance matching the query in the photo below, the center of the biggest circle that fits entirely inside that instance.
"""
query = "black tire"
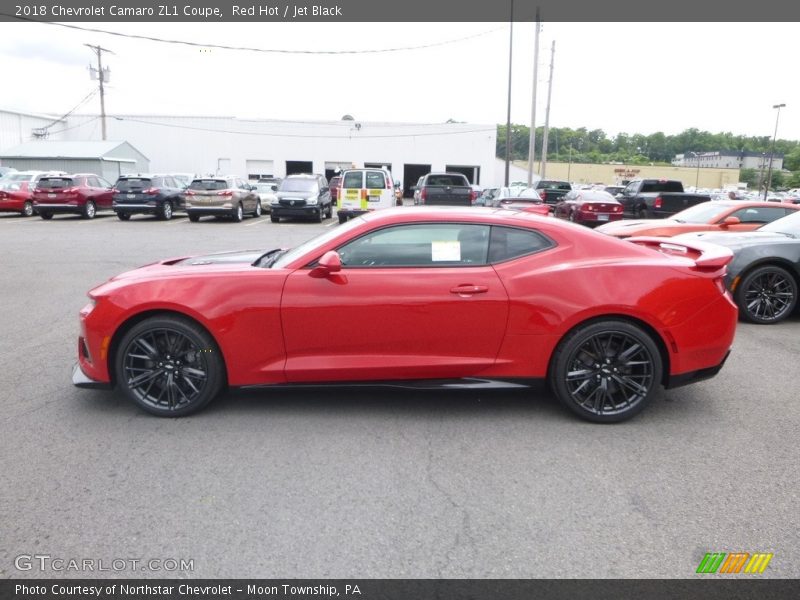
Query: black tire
(257, 211)
(766, 295)
(342, 218)
(274, 219)
(89, 210)
(169, 366)
(194, 218)
(329, 212)
(165, 213)
(27, 209)
(238, 213)
(46, 215)
(122, 216)
(641, 212)
(606, 371)
(320, 215)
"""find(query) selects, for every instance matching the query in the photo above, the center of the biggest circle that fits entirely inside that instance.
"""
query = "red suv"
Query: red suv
(82, 193)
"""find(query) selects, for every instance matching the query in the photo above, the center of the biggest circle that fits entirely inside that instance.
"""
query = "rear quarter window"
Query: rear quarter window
(508, 242)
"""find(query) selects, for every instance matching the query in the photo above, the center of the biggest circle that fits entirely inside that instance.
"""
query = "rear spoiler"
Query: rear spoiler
(706, 256)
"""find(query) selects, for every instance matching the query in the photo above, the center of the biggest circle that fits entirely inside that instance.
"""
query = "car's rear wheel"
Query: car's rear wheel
(89, 210)
(124, 216)
(194, 218)
(257, 211)
(166, 211)
(169, 366)
(46, 215)
(606, 371)
(27, 209)
(329, 212)
(766, 295)
(238, 213)
(342, 218)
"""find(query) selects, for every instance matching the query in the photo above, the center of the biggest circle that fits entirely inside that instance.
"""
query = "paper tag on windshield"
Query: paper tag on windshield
(449, 251)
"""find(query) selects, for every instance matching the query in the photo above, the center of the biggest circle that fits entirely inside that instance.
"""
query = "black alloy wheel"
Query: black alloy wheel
(766, 295)
(169, 366)
(606, 371)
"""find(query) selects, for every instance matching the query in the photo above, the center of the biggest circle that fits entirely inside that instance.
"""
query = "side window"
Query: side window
(508, 242)
(91, 182)
(419, 245)
(100, 182)
(375, 180)
(766, 214)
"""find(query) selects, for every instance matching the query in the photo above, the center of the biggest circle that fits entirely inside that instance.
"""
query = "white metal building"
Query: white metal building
(728, 160)
(258, 147)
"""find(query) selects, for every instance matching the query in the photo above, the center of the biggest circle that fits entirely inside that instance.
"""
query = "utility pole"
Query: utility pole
(508, 116)
(543, 170)
(102, 77)
(532, 141)
(772, 151)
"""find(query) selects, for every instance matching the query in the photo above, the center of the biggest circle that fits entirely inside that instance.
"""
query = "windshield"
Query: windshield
(789, 225)
(320, 240)
(298, 185)
(706, 212)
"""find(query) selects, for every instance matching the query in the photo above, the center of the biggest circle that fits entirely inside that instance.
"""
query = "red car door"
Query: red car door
(372, 321)
(104, 192)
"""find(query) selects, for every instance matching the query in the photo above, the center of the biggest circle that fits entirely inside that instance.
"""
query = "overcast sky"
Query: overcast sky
(628, 77)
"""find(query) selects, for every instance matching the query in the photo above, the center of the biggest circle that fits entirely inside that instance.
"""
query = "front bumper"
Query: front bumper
(81, 380)
(297, 211)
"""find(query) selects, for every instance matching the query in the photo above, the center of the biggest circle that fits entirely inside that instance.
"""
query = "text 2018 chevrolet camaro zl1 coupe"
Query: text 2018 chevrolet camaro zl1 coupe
(418, 296)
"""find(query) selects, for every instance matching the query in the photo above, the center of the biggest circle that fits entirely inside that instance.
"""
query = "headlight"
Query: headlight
(312, 201)
(274, 202)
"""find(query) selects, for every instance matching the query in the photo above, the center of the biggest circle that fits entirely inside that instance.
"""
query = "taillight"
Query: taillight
(657, 203)
(114, 191)
(189, 193)
(473, 195)
(423, 194)
(225, 193)
(151, 191)
(389, 185)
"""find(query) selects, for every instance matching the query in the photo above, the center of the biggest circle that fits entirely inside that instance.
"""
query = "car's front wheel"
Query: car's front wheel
(169, 366)
(122, 216)
(766, 295)
(194, 218)
(606, 371)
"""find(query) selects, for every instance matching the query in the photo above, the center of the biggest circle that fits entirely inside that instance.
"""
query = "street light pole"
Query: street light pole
(772, 150)
(697, 175)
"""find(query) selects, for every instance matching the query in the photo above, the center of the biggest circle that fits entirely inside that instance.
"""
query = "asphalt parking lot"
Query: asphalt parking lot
(369, 483)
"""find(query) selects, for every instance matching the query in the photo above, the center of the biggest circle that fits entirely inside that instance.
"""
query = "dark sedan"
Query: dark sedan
(589, 207)
(764, 275)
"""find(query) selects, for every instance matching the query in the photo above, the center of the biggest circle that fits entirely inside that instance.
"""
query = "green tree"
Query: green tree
(749, 176)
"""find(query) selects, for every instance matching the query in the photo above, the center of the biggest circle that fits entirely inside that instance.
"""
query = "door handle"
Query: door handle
(468, 290)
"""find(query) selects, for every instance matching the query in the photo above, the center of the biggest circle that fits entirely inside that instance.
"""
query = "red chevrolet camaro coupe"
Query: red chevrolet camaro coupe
(419, 296)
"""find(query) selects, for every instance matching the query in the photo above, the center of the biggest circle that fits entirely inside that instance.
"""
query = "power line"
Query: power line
(291, 135)
(86, 98)
(250, 49)
(76, 126)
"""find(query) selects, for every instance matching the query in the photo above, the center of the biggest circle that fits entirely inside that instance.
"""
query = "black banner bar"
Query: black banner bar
(716, 588)
(405, 11)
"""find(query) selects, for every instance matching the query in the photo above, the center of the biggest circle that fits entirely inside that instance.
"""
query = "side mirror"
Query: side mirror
(730, 221)
(329, 263)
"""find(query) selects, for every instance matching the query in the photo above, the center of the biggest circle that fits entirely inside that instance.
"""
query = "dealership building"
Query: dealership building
(255, 148)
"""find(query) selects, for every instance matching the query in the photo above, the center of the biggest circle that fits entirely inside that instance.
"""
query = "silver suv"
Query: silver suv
(225, 196)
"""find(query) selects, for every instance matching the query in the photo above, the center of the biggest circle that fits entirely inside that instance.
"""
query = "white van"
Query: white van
(364, 190)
